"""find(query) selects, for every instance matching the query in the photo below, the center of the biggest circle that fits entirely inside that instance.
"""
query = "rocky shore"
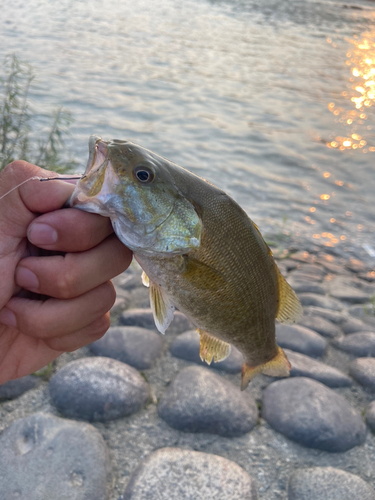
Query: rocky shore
(138, 416)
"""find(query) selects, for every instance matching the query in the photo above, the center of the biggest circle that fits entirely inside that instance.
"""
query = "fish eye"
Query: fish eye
(144, 174)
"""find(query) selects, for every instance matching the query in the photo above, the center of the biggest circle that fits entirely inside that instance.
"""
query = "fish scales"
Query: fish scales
(199, 250)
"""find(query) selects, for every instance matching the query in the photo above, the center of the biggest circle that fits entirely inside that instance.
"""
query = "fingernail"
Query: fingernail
(26, 279)
(7, 317)
(42, 234)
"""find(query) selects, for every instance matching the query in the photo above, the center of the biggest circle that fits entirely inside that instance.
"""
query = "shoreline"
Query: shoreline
(270, 457)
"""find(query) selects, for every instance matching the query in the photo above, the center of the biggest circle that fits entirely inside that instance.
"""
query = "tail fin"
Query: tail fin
(278, 366)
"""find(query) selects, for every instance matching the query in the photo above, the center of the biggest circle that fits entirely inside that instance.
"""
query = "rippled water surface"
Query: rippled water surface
(272, 101)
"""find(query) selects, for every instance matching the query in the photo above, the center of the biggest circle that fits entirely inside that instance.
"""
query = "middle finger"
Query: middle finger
(71, 275)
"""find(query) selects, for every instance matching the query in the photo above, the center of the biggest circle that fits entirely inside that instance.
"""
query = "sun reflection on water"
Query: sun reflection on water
(361, 93)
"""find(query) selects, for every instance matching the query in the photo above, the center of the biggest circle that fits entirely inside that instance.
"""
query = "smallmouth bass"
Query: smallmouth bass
(199, 251)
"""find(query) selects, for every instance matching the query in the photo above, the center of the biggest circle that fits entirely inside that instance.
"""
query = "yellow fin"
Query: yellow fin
(161, 306)
(290, 309)
(145, 279)
(212, 348)
(278, 366)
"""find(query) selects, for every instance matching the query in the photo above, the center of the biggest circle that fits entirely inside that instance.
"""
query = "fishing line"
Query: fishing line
(42, 179)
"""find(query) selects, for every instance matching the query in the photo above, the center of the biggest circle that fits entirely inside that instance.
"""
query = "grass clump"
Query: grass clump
(17, 137)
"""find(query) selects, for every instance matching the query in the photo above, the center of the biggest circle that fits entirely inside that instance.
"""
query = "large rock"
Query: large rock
(320, 325)
(135, 346)
(201, 401)
(176, 474)
(350, 294)
(313, 299)
(327, 483)
(300, 339)
(363, 370)
(309, 413)
(14, 388)
(145, 319)
(370, 415)
(186, 346)
(337, 317)
(46, 457)
(98, 389)
(359, 344)
(354, 325)
(304, 366)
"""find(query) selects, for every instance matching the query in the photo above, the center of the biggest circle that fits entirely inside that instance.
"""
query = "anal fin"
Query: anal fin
(278, 366)
(161, 306)
(212, 348)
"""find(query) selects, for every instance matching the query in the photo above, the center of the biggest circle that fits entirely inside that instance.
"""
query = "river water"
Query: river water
(272, 101)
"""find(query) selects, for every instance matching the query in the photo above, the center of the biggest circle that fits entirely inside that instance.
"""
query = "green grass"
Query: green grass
(19, 140)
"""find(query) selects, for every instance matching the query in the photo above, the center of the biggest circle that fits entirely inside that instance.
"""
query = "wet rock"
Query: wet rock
(98, 389)
(321, 325)
(370, 416)
(327, 483)
(300, 339)
(353, 325)
(359, 344)
(312, 299)
(350, 294)
(198, 400)
(14, 388)
(304, 366)
(360, 311)
(336, 317)
(140, 298)
(135, 346)
(363, 371)
(355, 265)
(128, 280)
(173, 473)
(186, 346)
(301, 286)
(43, 456)
(145, 319)
(313, 415)
(303, 256)
(122, 301)
(369, 276)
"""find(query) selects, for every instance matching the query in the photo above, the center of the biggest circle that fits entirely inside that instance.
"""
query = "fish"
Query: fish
(200, 253)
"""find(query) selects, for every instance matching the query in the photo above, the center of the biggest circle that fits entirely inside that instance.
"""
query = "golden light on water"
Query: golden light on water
(360, 95)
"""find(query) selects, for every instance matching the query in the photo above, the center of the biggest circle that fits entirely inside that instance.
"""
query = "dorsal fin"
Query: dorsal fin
(212, 348)
(290, 309)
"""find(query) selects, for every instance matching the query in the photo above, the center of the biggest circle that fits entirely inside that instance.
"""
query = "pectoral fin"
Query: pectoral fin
(290, 309)
(278, 366)
(145, 280)
(161, 306)
(212, 348)
(203, 276)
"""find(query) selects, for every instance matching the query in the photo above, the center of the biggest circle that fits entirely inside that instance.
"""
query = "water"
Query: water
(271, 101)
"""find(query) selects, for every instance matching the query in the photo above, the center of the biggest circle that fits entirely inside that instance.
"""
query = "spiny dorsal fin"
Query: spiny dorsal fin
(290, 309)
(278, 366)
(161, 306)
(212, 348)
(145, 279)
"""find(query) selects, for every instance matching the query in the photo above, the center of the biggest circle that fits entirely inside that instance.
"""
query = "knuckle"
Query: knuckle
(67, 285)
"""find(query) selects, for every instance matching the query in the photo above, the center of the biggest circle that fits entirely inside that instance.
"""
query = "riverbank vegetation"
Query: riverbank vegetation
(21, 133)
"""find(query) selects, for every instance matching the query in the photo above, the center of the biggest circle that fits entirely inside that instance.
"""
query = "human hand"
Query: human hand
(34, 331)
